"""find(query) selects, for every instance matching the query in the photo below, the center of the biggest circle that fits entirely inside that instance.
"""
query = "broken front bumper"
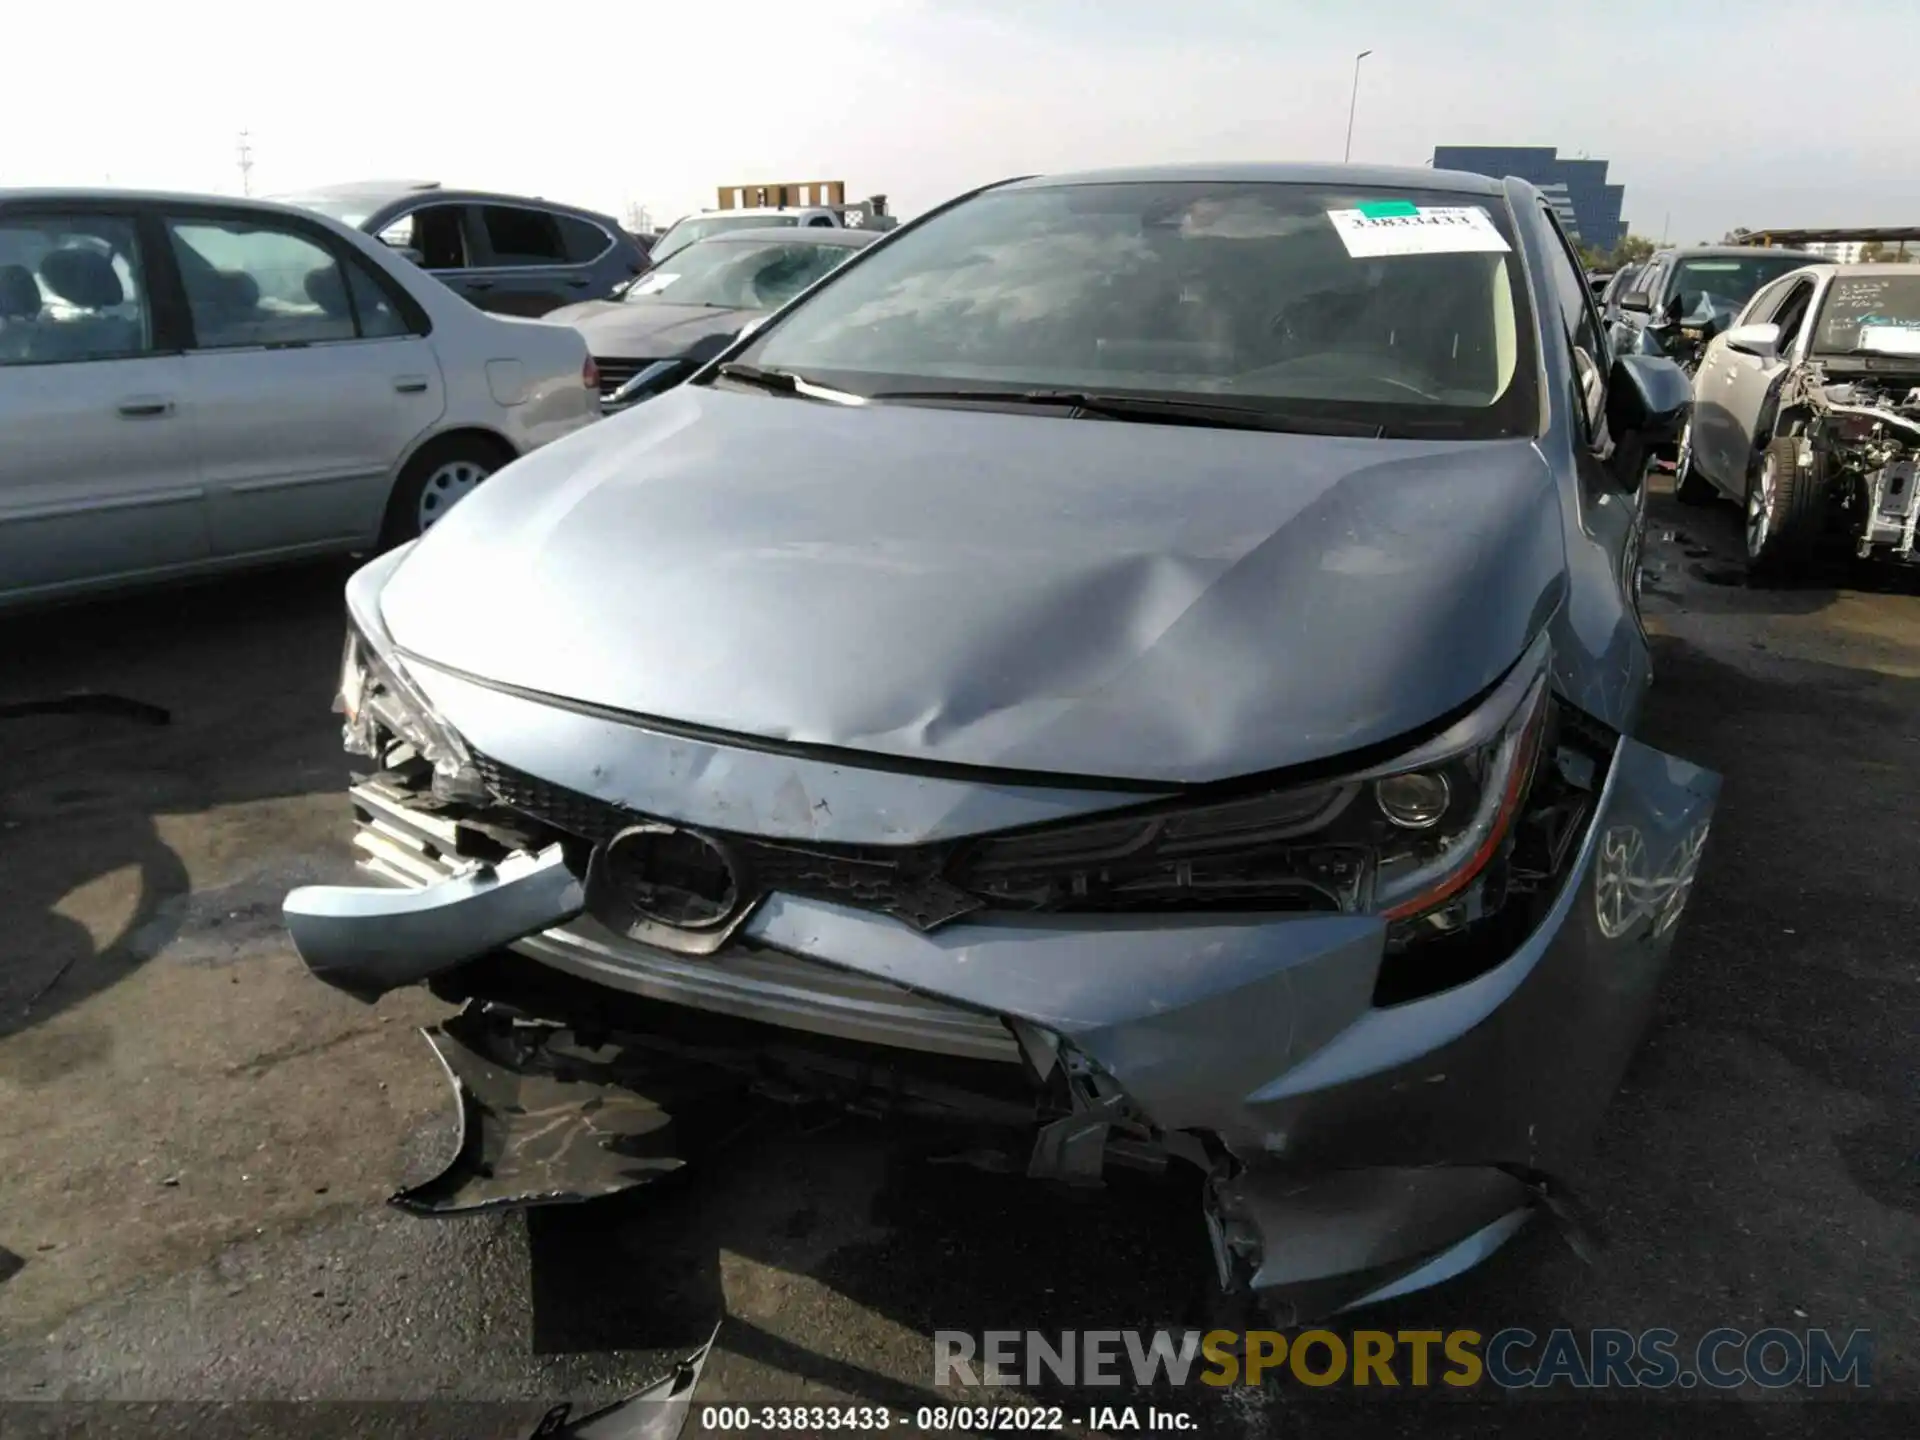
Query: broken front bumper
(1361, 1150)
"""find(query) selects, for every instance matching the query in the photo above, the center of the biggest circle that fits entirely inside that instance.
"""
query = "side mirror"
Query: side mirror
(1638, 301)
(1648, 399)
(1758, 340)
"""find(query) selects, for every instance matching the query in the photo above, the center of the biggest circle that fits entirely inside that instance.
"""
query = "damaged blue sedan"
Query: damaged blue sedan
(1147, 658)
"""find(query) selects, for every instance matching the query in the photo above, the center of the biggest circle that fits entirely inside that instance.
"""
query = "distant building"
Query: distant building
(1577, 189)
(1844, 252)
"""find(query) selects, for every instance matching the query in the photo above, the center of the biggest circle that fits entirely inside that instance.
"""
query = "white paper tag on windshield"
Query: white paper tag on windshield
(1401, 229)
(654, 283)
(1900, 339)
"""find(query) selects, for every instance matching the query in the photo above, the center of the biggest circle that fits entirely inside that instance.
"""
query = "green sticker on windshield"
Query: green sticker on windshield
(1380, 209)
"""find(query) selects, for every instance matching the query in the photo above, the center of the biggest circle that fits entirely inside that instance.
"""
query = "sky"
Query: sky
(1705, 109)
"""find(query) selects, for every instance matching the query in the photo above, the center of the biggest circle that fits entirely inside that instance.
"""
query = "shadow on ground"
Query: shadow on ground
(244, 671)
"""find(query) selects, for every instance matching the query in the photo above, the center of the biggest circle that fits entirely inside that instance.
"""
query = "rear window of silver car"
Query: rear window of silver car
(1262, 292)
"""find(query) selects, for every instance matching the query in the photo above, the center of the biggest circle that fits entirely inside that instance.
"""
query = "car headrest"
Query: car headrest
(82, 277)
(327, 290)
(19, 294)
(239, 289)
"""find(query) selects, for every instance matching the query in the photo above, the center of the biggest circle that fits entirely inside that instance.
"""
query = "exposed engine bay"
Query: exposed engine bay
(1861, 437)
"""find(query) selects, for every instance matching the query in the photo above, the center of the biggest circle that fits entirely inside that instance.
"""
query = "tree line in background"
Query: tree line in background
(1630, 251)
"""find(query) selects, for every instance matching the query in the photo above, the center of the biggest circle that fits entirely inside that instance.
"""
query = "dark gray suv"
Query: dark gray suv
(505, 253)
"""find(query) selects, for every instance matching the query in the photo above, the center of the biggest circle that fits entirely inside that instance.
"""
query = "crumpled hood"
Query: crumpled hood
(647, 329)
(1033, 592)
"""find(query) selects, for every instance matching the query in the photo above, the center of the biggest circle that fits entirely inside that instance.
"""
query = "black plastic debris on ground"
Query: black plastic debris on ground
(119, 707)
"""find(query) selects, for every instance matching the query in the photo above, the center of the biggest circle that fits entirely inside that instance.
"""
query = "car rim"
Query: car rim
(445, 488)
(1760, 508)
(1686, 452)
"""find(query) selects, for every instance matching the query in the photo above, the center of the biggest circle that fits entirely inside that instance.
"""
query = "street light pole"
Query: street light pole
(1347, 154)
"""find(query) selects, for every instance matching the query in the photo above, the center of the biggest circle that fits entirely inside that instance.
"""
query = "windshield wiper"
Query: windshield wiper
(1153, 408)
(781, 382)
(786, 382)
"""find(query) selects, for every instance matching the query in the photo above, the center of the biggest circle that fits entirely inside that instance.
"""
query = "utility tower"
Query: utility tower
(246, 165)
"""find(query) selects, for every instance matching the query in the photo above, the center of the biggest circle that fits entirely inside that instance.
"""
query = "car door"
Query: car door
(310, 377)
(526, 265)
(1711, 440)
(1747, 384)
(98, 473)
(440, 238)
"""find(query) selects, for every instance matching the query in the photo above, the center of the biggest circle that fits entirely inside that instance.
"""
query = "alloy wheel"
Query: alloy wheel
(445, 488)
(1760, 506)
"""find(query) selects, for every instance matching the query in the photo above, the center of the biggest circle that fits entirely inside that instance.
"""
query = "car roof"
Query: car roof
(1864, 267)
(847, 239)
(369, 189)
(378, 194)
(71, 194)
(1407, 177)
(1875, 267)
(757, 210)
(1684, 251)
(289, 204)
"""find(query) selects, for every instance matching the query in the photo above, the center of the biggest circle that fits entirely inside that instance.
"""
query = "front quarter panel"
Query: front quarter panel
(1600, 657)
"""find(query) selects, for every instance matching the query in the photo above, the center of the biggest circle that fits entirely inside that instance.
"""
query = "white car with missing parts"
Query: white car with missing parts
(193, 383)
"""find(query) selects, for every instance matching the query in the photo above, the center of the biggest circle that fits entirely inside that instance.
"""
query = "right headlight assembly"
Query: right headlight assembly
(1421, 840)
(379, 702)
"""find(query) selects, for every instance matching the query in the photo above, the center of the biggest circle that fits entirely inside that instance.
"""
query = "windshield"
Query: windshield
(1731, 279)
(739, 274)
(1871, 314)
(700, 227)
(1401, 310)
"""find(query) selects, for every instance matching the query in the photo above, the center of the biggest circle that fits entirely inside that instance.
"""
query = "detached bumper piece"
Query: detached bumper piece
(369, 939)
(540, 1129)
(659, 1412)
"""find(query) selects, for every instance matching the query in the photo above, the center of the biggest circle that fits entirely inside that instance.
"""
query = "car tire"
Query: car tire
(437, 478)
(1690, 487)
(1783, 518)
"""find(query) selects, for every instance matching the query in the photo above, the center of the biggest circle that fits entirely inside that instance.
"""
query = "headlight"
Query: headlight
(1413, 840)
(382, 706)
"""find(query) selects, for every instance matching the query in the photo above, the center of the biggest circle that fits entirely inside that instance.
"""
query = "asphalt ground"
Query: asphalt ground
(197, 1140)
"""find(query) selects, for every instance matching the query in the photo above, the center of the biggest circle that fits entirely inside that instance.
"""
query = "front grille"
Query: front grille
(555, 805)
(615, 373)
(1098, 867)
(905, 882)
